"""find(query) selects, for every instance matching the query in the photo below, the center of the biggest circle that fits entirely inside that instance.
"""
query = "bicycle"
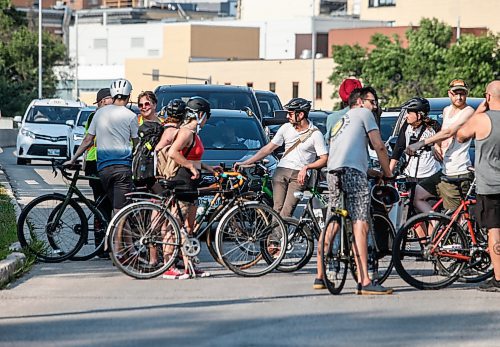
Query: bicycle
(57, 227)
(145, 238)
(337, 259)
(447, 251)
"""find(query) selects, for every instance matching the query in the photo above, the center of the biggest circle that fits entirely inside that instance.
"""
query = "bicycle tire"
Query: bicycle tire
(414, 262)
(245, 233)
(35, 223)
(481, 268)
(136, 241)
(335, 262)
(300, 246)
(97, 223)
(383, 256)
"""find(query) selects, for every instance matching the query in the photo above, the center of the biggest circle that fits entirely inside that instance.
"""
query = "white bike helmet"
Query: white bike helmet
(120, 87)
(385, 195)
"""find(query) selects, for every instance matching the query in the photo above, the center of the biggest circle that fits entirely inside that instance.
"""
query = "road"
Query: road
(92, 303)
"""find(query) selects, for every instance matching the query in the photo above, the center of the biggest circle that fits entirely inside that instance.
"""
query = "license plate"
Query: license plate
(53, 151)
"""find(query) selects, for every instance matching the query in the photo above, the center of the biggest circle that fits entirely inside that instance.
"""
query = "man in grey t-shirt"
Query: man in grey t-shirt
(348, 163)
(115, 126)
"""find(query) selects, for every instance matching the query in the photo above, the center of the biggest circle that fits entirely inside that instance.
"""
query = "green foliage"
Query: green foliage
(425, 67)
(8, 233)
(19, 61)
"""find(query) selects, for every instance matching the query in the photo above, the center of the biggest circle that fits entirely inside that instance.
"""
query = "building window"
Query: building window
(381, 3)
(250, 84)
(319, 90)
(272, 87)
(153, 52)
(100, 43)
(137, 42)
(227, 83)
(295, 90)
(155, 75)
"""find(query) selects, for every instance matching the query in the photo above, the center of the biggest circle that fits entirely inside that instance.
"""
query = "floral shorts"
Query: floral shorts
(355, 184)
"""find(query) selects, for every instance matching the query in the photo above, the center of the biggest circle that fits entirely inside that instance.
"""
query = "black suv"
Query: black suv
(219, 96)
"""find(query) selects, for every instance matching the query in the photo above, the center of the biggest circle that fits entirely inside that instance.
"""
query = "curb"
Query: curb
(15, 260)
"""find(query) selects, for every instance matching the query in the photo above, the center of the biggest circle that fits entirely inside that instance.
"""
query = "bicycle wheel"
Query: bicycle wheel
(335, 258)
(384, 232)
(251, 233)
(414, 258)
(144, 240)
(50, 233)
(300, 246)
(479, 268)
(93, 244)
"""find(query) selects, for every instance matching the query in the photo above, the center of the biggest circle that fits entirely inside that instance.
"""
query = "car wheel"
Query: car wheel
(21, 161)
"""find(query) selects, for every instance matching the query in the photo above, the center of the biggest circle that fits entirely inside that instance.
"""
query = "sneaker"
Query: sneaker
(491, 286)
(319, 283)
(174, 274)
(374, 289)
(358, 289)
(199, 273)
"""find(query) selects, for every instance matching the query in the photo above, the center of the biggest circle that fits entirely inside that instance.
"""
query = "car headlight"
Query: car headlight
(28, 133)
(78, 137)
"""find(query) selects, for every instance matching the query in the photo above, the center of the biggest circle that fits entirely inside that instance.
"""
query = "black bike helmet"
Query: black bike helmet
(197, 104)
(417, 105)
(385, 195)
(176, 109)
(298, 105)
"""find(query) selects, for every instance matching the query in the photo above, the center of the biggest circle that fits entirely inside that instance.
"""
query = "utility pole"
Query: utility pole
(39, 49)
(313, 54)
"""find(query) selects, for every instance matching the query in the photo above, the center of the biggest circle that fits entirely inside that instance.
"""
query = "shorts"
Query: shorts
(448, 191)
(189, 185)
(488, 210)
(355, 185)
(117, 180)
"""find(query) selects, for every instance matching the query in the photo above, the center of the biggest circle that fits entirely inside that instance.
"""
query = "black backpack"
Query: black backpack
(143, 162)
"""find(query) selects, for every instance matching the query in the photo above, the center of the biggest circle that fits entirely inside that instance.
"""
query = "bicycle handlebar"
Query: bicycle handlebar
(59, 165)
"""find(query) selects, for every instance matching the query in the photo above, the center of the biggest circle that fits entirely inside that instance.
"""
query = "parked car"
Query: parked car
(76, 129)
(43, 130)
(269, 102)
(219, 96)
(232, 135)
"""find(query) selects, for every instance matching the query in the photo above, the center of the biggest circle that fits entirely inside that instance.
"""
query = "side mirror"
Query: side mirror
(273, 121)
(18, 119)
(70, 123)
(280, 114)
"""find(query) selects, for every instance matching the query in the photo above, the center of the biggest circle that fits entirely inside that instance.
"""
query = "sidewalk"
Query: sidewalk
(15, 260)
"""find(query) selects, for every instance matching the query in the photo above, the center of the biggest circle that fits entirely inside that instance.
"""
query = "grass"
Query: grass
(8, 233)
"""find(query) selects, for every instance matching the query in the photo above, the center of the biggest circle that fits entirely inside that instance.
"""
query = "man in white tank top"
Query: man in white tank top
(455, 155)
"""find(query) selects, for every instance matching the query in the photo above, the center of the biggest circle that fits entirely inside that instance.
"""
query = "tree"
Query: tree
(425, 67)
(19, 61)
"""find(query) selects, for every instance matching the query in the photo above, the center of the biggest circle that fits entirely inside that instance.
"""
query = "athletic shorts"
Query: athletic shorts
(189, 185)
(448, 191)
(355, 185)
(488, 211)
(117, 181)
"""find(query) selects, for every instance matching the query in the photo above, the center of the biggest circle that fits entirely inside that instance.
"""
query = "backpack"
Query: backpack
(143, 162)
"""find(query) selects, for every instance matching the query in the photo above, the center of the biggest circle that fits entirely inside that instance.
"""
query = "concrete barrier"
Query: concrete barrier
(8, 137)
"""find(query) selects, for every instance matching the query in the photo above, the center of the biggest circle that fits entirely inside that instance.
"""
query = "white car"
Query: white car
(76, 129)
(43, 129)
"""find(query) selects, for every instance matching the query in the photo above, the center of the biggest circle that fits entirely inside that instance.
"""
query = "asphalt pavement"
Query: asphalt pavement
(93, 304)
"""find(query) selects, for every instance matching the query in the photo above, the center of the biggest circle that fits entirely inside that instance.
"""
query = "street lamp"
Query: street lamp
(39, 49)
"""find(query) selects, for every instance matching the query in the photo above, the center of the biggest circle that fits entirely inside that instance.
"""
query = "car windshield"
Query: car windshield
(387, 125)
(52, 114)
(232, 134)
(84, 116)
(222, 100)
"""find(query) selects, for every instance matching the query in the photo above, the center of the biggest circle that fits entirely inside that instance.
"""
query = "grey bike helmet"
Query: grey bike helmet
(121, 87)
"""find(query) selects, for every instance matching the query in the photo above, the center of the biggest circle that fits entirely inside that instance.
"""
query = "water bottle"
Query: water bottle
(201, 210)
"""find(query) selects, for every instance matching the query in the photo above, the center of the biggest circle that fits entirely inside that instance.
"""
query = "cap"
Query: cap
(458, 84)
(347, 86)
(101, 94)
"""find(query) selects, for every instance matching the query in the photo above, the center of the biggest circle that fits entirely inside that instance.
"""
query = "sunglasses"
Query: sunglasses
(146, 104)
(372, 101)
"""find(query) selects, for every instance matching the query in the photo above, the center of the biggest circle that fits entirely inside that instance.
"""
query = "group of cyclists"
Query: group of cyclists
(130, 150)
